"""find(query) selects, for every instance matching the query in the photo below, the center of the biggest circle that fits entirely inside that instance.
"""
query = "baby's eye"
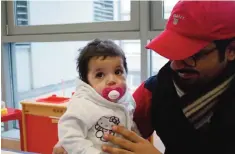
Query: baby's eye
(119, 72)
(99, 75)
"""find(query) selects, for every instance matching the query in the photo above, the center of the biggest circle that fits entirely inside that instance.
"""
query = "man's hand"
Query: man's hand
(130, 144)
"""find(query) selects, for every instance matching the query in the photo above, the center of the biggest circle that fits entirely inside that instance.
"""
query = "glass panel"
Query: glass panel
(157, 62)
(8, 132)
(47, 68)
(23, 71)
(70, 12)
(2, 127)
(168, 6)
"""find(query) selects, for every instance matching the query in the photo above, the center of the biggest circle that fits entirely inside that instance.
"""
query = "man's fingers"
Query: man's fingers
(130, 135)
(112, 150)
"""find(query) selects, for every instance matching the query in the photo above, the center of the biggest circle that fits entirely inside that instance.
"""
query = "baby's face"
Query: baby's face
(106, 73)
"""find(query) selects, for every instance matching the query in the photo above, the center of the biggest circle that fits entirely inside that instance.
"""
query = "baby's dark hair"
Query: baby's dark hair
(97, 48)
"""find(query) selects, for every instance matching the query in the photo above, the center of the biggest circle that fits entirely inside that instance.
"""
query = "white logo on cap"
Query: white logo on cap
(176, 18)
(175, 21)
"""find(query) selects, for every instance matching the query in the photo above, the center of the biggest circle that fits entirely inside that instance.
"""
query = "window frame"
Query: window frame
(8, 78)
(112, 26)
(157, 15)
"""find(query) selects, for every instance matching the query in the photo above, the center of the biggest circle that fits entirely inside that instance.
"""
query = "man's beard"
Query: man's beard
(195, 84)
(188, 85)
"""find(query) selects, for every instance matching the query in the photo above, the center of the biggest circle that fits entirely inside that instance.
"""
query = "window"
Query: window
(133, 79)
(65, 12)
(168, 6)
(104, 10)
(161, 11)
(33, 17)
(45, 68)
(132, 46)
(21, 12)
(157, 62)
(35, 61)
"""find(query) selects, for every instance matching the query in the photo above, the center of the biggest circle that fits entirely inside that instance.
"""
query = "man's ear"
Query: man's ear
(230, 51)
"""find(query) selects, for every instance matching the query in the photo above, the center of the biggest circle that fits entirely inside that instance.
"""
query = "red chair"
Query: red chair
(14, 114)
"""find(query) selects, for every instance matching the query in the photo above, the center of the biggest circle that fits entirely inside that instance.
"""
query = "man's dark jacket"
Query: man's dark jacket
(159, 108)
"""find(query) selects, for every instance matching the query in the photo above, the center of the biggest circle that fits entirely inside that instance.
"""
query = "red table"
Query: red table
(14, 114)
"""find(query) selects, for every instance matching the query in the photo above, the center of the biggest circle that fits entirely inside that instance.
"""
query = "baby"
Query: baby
(101, 100)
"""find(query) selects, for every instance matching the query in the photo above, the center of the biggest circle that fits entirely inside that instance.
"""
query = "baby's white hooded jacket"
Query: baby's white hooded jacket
(88, 116)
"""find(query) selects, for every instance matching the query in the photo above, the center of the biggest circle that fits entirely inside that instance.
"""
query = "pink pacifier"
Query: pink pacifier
(113, 93)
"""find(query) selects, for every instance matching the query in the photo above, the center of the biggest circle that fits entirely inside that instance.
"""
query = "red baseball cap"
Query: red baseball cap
(192, 26)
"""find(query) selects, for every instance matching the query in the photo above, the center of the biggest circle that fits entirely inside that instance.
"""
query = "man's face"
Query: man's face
(207, 66)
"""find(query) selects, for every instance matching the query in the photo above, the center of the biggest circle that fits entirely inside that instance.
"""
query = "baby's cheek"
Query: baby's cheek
(98, 90)
(123, 85)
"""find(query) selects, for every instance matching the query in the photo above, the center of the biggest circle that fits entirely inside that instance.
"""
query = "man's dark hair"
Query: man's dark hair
(97, 48)
(221, 45)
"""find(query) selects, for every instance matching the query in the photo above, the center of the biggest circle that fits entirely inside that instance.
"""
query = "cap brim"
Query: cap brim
(174, 46)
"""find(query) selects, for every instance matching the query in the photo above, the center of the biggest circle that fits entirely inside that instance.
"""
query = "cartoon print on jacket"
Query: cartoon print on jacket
(104, 125)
